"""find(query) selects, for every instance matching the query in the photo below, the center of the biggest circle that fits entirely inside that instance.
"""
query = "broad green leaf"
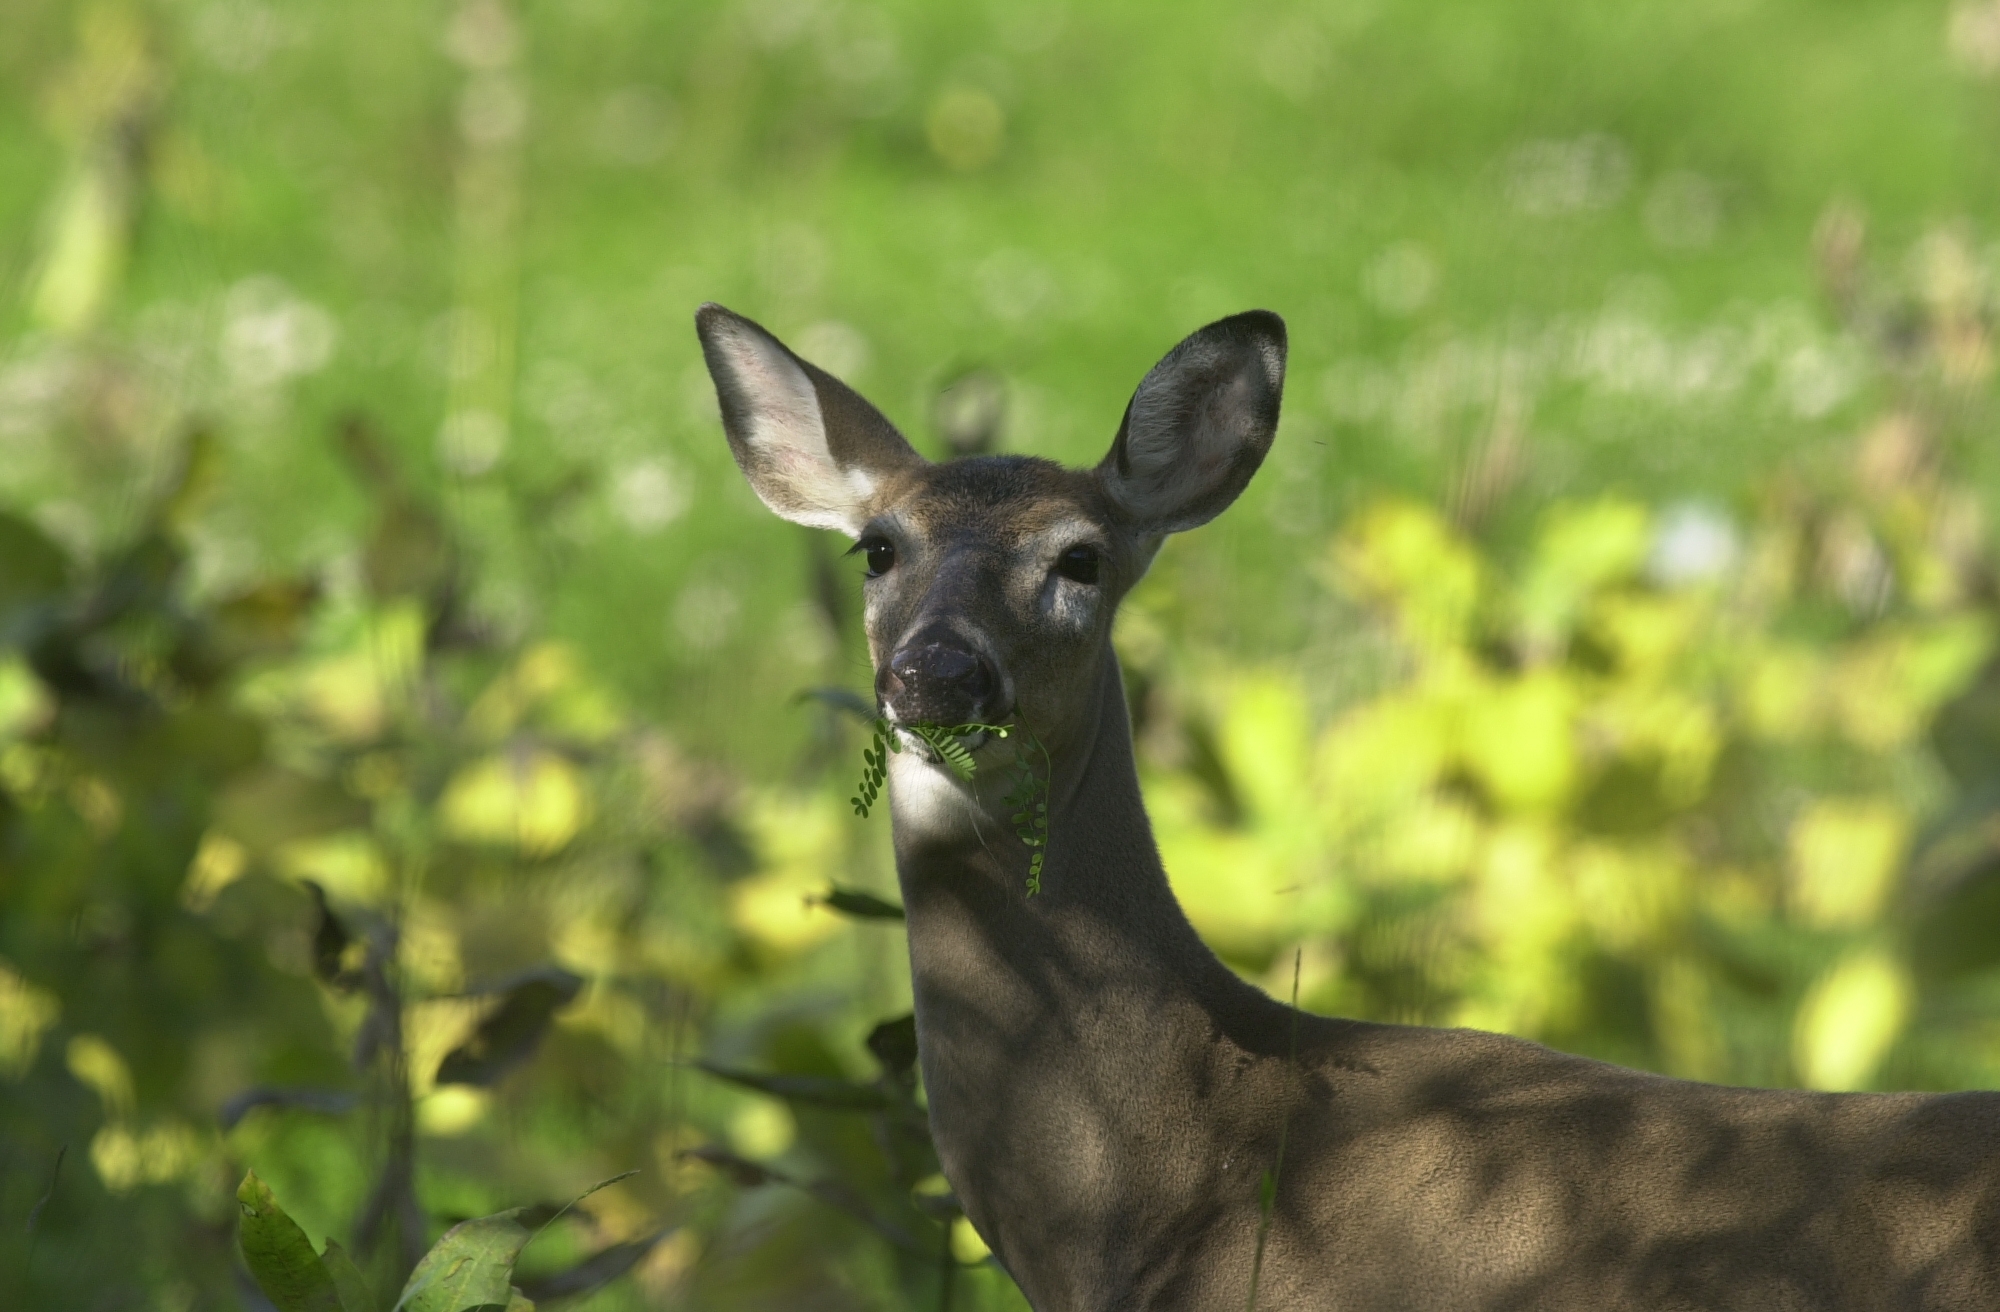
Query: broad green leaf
(355, 1294)
(471, 1267)
(280, 1256)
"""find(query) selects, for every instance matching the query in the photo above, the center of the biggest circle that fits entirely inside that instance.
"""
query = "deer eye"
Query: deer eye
(1079, 564)
(880, 553)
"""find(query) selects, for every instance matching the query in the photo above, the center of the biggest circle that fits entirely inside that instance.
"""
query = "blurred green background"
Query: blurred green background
(405, 787)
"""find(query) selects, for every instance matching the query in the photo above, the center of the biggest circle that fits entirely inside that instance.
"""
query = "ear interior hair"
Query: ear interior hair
(1199, 425)
(812, 449)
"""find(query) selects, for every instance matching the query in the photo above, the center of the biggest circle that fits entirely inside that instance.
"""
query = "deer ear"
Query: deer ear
(813, 450)
(1199, 425)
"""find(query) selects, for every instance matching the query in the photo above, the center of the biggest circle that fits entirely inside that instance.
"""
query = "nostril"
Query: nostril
(950, 665)
(938, 682)
(979, 681)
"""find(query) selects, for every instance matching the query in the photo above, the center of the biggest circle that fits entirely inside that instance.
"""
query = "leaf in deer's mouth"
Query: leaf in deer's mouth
(948, 745)
(952, 746)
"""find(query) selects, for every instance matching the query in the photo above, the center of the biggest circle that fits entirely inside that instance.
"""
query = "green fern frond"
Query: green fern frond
(1027, 802)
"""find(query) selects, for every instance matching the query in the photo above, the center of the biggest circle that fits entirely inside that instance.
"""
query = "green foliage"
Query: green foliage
(947, 742)
(875, 767)
(348, 1282)
(1026, 802)
(281, 1257)
(512, 1031)
(472, 1267)
(333, 748)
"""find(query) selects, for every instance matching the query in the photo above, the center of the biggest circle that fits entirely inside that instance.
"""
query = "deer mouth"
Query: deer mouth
(928, 741)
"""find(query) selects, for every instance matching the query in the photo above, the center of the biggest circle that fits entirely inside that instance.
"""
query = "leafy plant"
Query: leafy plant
(1027, 802)
(470, 1269)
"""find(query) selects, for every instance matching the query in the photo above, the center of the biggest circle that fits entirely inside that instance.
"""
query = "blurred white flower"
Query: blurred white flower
(1292, 59)
(270, 335)
(237, 36)
(1694, 543)
(705, 615)
(635, 126)
(1026, 26)
(838, 348)
(777, 23)
(1683, 210)
(472, 442)
(1402, 279)
(1014, 285)
(493, 109)
(650, 495)
(482, 35)
(792, 262)
(966, 127)
(1973, 36)
(1551, 177)
(1816, 378)
(859, 47)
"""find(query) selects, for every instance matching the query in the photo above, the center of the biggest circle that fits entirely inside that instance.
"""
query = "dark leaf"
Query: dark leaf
(829, 585)
(266, 619)
(942, 1208)
(510, 1032)
(748, 1175)
(860, 905)
(34, 572)
(471, 1267)
(182, 499)
(330, 1102)
(55, 1177)
(745, 1173)
(594, 1271)
(537, 1217)
(814, 1090)
(330, 940)
(280, 1256)
(894, 1043)
(409, 553)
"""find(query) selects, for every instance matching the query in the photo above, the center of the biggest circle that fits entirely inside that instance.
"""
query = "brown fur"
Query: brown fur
(1107, 1097)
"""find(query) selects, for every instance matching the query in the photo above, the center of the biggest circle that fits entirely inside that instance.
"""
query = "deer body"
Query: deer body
(1109, 1100)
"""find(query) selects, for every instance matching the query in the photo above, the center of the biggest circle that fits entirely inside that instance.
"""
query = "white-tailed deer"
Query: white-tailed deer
(1110, 1101)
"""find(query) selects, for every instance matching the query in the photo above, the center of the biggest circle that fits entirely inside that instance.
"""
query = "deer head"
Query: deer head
(992, 580)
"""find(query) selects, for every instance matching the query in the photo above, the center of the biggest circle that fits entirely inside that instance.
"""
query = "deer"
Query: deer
(1126, 1122)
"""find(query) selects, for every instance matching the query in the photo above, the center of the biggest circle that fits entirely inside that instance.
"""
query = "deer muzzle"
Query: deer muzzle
(938, 683)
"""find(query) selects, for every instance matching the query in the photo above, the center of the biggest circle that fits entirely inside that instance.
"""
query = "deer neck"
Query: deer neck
(1105, 913)
(1062, 1035)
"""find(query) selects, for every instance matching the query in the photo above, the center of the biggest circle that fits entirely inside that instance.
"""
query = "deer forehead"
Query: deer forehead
(1011, 504)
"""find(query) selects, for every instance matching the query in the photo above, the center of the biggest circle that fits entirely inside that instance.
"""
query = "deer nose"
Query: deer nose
(937, 683)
